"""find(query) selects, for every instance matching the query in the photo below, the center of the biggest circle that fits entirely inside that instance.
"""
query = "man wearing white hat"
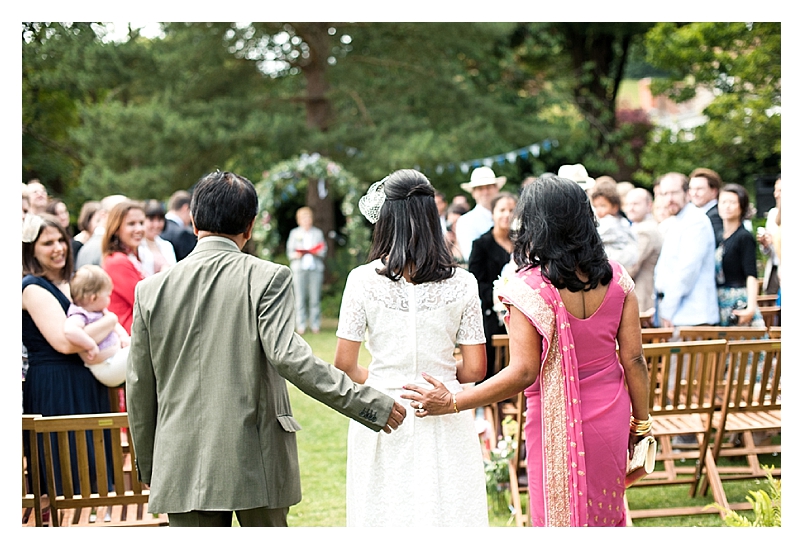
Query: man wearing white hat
(484, 186)
(578, 174)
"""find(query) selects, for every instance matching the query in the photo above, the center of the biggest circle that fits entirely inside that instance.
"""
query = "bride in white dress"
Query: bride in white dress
(412, 305)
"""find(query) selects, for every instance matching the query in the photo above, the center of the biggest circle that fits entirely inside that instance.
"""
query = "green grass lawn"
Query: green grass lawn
(322, 456)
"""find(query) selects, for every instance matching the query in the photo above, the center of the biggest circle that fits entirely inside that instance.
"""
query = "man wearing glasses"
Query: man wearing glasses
(685, 278)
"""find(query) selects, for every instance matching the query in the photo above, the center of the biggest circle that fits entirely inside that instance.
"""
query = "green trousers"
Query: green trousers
(261, 516)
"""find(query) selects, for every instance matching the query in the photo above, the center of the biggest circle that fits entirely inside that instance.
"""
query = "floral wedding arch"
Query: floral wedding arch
(289, 178)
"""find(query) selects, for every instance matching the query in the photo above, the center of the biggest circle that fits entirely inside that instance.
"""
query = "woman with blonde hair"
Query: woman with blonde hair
(125, 229)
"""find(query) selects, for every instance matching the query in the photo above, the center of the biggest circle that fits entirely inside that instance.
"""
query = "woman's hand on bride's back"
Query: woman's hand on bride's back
(429, 402)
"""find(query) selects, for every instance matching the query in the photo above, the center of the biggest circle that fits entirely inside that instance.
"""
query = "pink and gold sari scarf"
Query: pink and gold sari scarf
(563, 474)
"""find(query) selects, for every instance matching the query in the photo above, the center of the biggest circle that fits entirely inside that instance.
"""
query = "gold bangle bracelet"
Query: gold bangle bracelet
(640, 427)
(454, 403)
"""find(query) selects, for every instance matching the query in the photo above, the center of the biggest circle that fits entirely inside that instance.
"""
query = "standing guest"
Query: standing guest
(37, 194)
(638, 207)
(411, 304)
(91, 253)
(624, 187)
(208, 405)
(685, 278)
(484, 186)
(178, 225)
(737, 273)
(57, 383)
(660, 213)
(57, 208)
(26, 202)
(704, 185)
(578, 174)
(569, 309)
(618, 238)
(155, 253)
(442, 205)
(766, 238)
(453, 214)
(461, 201)
(125, 229)
(306, 249)
(87, 222)
(489, 254)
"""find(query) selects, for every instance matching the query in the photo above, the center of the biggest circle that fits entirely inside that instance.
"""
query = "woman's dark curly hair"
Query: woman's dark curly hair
(408, 231)
(555, 228)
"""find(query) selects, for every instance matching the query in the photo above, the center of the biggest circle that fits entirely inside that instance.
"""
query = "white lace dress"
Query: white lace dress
(429, 472)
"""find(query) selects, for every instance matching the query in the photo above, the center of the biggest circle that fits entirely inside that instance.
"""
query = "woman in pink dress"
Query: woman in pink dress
(570, 306)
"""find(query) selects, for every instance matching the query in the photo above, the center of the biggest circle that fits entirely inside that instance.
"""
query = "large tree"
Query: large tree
(741, 64)
(584, 63)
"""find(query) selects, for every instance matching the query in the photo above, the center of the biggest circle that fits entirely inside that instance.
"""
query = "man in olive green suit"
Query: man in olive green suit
(212, 343)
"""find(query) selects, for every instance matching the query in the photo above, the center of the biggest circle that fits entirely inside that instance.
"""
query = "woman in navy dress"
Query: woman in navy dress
(57, 382)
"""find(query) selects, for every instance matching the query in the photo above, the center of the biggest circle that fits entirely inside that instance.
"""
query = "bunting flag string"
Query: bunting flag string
(510, 157)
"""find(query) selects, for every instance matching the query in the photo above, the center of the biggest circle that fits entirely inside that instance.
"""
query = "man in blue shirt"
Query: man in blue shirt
(685, 278)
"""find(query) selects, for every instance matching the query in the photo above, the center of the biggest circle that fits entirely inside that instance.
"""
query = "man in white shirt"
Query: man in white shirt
(685, 278)
(484, 186)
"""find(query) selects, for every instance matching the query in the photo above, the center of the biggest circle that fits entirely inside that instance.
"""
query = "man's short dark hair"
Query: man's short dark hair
(224, 203)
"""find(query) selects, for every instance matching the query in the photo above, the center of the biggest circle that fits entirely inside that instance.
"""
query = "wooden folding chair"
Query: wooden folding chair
(505, 408)
(729, 333)
(767, 300)
(515, 409)
(753, 405)
(517, 465)
(31, 489)
(107, 483)
(771, 315)
(685, 378)
(656, 335)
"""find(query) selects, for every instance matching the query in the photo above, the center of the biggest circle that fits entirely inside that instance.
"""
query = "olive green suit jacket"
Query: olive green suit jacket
(212, 343)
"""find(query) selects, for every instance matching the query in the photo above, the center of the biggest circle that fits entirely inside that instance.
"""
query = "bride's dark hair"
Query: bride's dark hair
(408, 231)
(555, 227)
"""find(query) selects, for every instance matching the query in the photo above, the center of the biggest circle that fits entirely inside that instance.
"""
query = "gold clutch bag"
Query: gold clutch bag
(643, 461)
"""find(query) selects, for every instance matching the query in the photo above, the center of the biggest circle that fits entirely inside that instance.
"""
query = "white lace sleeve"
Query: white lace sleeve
(471, 330)
(352, 321)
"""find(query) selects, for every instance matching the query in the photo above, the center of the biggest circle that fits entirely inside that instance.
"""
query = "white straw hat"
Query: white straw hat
(578, 174)
(483, 176)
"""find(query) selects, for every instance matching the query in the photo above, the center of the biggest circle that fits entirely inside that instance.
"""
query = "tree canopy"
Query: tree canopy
(148, 116)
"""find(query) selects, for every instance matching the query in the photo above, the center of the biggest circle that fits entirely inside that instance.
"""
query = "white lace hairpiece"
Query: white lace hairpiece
(371, 203)
(30, 227)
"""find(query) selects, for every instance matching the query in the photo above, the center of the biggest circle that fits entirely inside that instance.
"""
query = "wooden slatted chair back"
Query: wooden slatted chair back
(105, 480)
(685, 387)
(771, 315)
(683, 375)
(729, 333)
(31, 488)
(753, 405)
(656, 335)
